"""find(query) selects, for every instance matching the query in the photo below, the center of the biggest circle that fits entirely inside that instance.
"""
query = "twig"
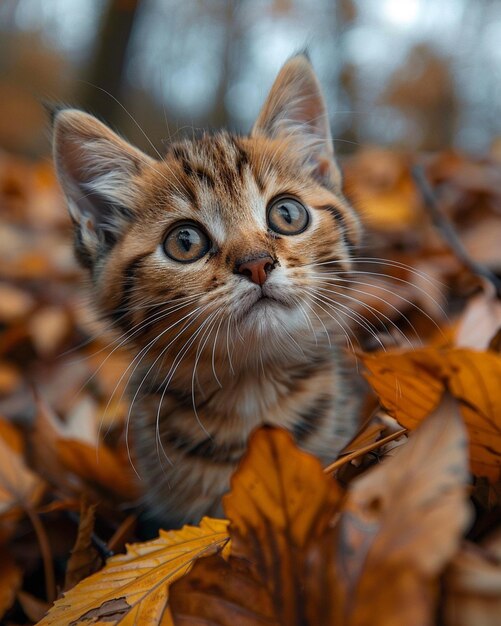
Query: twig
(43, 542)
(361, 451)
(100, 545)
(448, 231)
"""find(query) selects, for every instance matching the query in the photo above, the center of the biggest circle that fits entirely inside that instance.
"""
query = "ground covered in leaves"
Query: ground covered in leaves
(403, 528)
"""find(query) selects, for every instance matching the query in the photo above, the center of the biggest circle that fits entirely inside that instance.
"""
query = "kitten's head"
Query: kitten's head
(223, 235)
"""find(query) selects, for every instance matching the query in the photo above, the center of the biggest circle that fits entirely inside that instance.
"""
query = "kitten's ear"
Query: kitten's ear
(295, 110)
(98, 172)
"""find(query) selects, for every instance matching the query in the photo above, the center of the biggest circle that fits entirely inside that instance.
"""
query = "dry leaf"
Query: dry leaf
(84, 559)
(19, 486)
(281, 563)
(34, 608)
(473, 586)
(480, 321)
(410, 385)
(62, 447)
(11, 436)
(402, 523)
(48, 328)
(99, 466)
(9, 378)
(14, 302)
(10, 581)
(133, 588)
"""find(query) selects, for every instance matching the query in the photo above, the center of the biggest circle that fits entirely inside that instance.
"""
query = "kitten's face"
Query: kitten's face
(223, 235)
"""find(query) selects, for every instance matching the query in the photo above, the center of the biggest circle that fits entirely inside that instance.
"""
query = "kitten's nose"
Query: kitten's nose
(256, 270)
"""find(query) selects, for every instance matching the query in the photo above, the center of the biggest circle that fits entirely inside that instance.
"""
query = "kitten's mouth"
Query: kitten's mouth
(265, 300)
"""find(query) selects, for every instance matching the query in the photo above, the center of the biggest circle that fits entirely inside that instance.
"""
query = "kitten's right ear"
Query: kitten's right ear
(99, 174)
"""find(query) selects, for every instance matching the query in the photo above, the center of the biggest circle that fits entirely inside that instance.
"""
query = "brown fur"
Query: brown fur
(210, 364)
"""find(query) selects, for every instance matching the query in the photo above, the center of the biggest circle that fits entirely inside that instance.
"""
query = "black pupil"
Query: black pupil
(186, 239)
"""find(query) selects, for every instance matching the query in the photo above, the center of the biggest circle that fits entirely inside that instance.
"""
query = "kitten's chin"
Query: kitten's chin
(269, 315)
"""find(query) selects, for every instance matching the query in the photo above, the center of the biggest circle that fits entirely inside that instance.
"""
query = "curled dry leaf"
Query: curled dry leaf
(10, 581)
(402, 523)
(473, 586)
(84, 559)
(281, 565)
(133, 588)
(410, 385)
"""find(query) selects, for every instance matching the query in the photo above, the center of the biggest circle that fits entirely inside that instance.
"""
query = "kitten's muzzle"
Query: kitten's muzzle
(256, 269)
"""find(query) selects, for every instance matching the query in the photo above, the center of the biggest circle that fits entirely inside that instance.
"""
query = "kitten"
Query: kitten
(215, 265)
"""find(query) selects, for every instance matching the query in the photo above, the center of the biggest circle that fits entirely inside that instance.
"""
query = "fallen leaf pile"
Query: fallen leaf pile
(403, 527)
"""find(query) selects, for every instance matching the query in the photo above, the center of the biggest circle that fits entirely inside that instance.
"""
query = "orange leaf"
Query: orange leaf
(281, 563)
(11, 436)
(410, 385)
(99, 466)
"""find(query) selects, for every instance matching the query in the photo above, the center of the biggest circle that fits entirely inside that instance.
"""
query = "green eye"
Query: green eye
(287, 216)
(186, 243)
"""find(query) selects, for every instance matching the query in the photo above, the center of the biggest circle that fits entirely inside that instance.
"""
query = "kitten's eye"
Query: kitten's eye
(287, 216)
(186, 243)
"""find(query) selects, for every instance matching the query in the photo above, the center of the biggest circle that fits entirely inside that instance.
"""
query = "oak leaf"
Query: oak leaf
(133, 588)
(401, 524)
(411, 384)
(280, 570)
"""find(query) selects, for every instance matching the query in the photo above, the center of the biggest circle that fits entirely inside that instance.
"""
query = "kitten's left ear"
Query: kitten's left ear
(295, 110)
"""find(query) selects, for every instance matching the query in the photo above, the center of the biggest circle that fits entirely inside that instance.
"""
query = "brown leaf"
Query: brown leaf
(473, 586)
(10, 581)
(402, 523)
(410, 385)
(19, 486)
(84, 559)
(280, 508)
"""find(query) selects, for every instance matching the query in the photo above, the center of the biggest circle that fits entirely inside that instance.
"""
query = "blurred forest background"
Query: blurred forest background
(415, 74)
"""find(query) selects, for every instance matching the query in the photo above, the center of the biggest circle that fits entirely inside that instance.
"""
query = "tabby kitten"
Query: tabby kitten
(214, 263)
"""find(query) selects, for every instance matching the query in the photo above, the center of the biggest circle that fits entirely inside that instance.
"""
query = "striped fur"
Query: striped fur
(208, 362)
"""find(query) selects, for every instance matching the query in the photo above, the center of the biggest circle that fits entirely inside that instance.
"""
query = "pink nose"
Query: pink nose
(257, 270)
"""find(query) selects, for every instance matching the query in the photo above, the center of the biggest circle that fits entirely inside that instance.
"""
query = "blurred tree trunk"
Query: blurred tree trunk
(230, 59)
(108, 65)
(346, 15)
